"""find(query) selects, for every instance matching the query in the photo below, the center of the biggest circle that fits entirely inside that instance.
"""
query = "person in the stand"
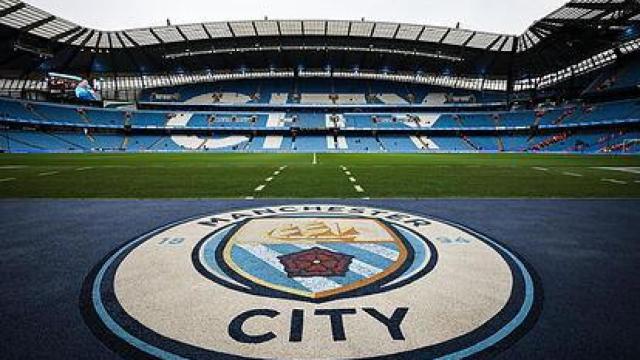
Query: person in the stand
(85, 92)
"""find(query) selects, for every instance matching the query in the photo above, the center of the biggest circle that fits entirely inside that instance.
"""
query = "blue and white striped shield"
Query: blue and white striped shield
(314, 258)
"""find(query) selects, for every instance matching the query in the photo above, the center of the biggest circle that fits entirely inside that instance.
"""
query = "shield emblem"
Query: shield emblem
(314, 258)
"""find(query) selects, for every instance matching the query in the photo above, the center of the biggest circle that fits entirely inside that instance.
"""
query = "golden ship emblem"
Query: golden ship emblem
(317, 230)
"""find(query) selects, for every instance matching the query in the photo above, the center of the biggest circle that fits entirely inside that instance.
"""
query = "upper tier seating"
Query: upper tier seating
(308, 120)
(318, 91)
(628, 110)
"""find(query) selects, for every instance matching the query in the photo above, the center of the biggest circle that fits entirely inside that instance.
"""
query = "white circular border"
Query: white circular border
(120, 332)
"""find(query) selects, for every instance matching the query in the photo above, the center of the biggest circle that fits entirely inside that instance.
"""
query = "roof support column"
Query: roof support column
(510, 74)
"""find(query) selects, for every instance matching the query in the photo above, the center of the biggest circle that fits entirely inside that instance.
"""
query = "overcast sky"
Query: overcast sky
(503, 16)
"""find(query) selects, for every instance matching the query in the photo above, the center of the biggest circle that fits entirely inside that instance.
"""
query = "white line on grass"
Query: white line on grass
(12, 167)
(540, 168)
(353, 180)
(7, 179)
(614, 181)
(49, 173)
(84, 168)
(267, 181)
(627, 169)
(572, 174)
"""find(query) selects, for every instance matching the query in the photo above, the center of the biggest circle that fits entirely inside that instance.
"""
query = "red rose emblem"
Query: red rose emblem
(316, 262)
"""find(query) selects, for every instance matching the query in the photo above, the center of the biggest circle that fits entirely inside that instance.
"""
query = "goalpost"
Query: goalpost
(628, 143)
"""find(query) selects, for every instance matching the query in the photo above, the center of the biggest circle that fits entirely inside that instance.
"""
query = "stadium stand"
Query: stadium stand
(483, 92)
(387, 132)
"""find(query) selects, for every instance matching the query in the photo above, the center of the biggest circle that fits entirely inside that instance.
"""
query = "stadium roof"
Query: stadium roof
(576, 31)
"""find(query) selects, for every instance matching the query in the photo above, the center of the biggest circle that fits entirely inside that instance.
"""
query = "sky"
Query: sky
(501, 16)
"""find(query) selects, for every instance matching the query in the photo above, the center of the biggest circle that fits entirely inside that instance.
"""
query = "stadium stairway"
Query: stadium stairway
(380, 144)
(154, 143)
(83, 115)
(467, 140)
(90, 137)
(423, 143)
(65, 140)
(500, 144)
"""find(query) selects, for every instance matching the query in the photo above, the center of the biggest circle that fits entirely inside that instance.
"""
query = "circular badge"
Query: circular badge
(309, 282)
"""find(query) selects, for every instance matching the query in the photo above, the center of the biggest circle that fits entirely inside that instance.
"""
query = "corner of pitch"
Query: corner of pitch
(308, 282)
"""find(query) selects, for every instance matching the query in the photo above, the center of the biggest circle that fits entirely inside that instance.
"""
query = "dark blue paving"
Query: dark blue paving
(586, 253)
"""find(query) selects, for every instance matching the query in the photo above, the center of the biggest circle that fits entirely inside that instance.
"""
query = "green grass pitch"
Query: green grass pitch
(196, 175)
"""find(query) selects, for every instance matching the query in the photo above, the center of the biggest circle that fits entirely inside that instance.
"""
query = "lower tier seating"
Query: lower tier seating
(584, 141)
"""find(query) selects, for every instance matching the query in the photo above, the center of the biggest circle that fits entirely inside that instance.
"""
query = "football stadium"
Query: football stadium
(320, 187)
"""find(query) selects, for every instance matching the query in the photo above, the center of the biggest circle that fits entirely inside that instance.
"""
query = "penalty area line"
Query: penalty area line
(614, 181)
(352, 179)
(260, 188)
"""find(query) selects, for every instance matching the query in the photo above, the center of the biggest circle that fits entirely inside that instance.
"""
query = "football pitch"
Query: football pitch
(339, 176)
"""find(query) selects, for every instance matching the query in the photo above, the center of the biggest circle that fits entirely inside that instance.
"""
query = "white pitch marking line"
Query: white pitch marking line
(267, 180)
(12, 167)
(352, 179)
(614, 181)
(366, 198)
(49, 173)
(572, 174)
(84, 168)
(358, 188)
(627, 169)
(7, 179)
(540, 168)
(637, 181)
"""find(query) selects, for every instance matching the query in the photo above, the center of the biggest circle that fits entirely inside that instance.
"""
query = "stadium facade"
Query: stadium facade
(569, 83)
